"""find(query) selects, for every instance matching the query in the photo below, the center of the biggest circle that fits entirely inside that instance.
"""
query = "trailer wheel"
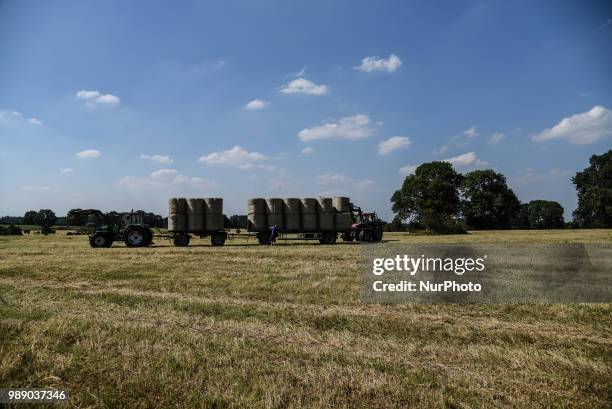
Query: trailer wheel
(99, 240)
(135, 236)
(217, 239)
(181, 240)
(328, 238)
(263, 238)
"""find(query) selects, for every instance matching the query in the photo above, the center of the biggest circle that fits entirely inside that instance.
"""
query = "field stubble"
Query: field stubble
(246, 326)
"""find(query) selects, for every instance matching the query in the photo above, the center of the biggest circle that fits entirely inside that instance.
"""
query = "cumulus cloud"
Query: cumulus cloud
(35, 121)
(17, 118)
(93, 98)
(335, 179)
(470, 132)
(307, 151)
(580, 129)
(157, 158)
(166, 178)
(66, 171)
(407, 170)
(236, 156)
(370, 64)
(496, 138)
(301, 72)
(466, 160)
(393, 143)
(350, 127)
(256, 104)
(89, 154)
(303, 86)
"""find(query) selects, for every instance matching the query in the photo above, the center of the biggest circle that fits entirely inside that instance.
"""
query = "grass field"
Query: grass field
(249, 326)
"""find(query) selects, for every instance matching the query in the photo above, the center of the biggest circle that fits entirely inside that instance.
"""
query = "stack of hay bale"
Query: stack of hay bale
(307, 214)
(195, 215)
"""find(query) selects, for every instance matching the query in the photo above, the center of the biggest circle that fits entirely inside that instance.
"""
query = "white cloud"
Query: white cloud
(303, 86)
(370, 64)
(350, 127)
(66, 171)
(580, 129)
(256, 104)
(496, 138)
(89, 154)
(335, 179)
(308, 151)
(301, 72)
(93, 98)
(393, 143)
(165, 179)
(237, 156)
(364, 184)
(164, 174)
(35, 121)
(466, 160)
(441, 150)
(470, 132)
(16, 118)
(407, 170)
(157, 158)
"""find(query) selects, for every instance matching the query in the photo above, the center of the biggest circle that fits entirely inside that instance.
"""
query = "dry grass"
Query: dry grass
(245, 326)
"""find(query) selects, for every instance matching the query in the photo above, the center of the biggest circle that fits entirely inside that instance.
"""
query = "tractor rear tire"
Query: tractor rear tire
(181, 240)
(217, 239)
(100, 240)
(148, 237)
(365, 235)
(328, 238)
(135, 236)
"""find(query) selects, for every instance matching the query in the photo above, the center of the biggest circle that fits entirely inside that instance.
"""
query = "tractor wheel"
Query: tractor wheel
(217, 239)
(181, 240)
(148, 237)
(377, 234)
(328, 238)
(99, 240)
(135, 236)
(365, 235)
(264, 239)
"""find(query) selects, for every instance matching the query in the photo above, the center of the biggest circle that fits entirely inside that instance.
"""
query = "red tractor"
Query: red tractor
(366, 226)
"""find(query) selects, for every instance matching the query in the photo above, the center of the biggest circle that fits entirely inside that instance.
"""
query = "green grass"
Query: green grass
(249, 326)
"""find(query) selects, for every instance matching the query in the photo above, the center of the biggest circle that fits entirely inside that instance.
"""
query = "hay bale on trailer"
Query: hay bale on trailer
(257, 214)
(213, 213)
(325, 213)
(341, 204)
(275, 213)
(309, 213)
(195, 215)
(292, 214)
(177, 214)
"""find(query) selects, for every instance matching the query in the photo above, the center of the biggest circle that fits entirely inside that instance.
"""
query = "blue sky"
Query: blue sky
(119, 105)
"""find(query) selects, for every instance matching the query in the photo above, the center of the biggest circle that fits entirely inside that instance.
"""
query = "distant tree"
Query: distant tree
(594, 188)
(239, 221)
(395, 225)
(430, 196)
(30, 217)
(488, 202)
(45, 217)
(521, 219)
(545, 214)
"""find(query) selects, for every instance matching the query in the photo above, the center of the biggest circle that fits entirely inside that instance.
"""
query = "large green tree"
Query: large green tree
(45, 217)
(430, 196)
(488, 202)
(594, 188)
(30, 217)
(545, 214)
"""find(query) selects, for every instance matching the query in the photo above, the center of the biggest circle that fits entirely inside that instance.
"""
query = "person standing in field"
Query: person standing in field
(273, 235)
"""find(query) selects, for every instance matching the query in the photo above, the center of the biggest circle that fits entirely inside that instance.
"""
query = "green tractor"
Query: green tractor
(107, 228)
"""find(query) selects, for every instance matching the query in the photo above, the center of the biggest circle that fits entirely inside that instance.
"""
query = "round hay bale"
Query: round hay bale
(177, 222)
(277, 219)
(177, 205)
(325, 205)
(292, 205)
(309, 206)
(341, 204)
(257, 205)
(309, 221)
(195, 215)
(275, 206)
(326, 221)
(257, 222)
(213, 205)
(293, 221)
(344, 221)
(213, 222)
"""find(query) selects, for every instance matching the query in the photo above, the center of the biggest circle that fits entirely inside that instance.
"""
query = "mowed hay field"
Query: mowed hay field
(250, 326)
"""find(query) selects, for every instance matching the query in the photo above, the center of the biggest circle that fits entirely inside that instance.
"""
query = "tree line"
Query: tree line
(439, 199)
